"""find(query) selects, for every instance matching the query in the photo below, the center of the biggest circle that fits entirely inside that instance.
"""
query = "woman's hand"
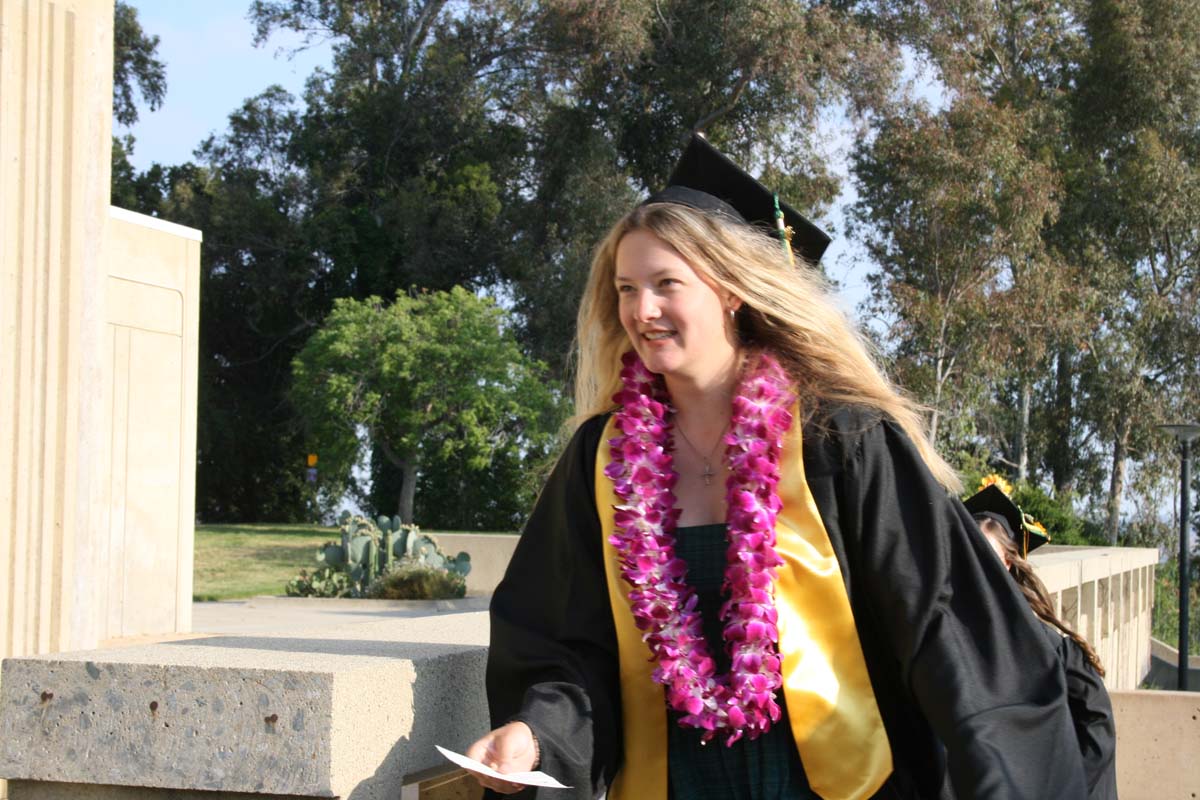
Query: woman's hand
(510, 748)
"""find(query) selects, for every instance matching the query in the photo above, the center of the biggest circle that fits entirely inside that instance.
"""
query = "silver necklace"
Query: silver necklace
(708, 472)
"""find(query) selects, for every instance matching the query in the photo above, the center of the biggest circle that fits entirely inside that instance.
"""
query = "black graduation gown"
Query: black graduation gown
(1092, 716)
(953, 651)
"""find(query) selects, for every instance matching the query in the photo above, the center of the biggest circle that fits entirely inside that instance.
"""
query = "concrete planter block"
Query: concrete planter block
(1158, 736)
(344, 713)
(39, 790)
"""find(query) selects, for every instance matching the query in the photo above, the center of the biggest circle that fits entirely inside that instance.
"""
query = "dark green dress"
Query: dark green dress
(767, 768)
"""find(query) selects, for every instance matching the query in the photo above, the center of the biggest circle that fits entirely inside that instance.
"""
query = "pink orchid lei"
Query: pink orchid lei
(664, 606)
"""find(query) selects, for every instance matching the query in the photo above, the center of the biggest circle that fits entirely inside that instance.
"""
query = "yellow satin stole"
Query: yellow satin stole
(834, 717)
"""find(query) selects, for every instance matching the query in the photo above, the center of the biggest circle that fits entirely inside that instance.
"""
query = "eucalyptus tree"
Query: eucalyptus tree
(756, 75)
(302, 203)
(948, 202)
(137, 69)
(264, 289)
(1137, 121)
(1011, 64)
(407, 155)
(137, 72)
(496, 141)
(486, 144)
(1098, 296)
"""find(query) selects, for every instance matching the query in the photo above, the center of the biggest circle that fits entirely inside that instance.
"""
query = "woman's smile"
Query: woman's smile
(657, 336)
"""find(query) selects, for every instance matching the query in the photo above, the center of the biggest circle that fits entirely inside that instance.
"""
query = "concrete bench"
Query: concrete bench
(352, 713)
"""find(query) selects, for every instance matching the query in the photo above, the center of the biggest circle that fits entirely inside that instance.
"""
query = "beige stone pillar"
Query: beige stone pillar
(55, 141)
(99, 314)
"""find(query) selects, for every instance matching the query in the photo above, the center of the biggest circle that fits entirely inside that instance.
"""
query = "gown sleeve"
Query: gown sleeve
(1092, 714)
(969, 650)
(552, 661)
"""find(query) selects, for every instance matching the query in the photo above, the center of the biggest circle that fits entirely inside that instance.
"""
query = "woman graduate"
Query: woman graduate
(745, 577)
(1013, 535)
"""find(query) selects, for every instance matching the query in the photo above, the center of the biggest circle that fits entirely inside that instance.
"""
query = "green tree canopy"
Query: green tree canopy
(1136, 192)
(1034, 236)
(1056, 192)
(951, 208)
(136, 70)
(136, 66)
(432, 381)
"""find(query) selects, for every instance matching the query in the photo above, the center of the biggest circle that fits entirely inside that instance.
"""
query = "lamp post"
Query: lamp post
(1184, 434)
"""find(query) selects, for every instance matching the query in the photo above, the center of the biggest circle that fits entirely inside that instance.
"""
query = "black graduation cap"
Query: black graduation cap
(704, 178)
(992, 503)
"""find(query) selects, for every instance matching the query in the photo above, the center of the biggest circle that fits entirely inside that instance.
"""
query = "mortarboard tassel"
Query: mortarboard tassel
(785, 235)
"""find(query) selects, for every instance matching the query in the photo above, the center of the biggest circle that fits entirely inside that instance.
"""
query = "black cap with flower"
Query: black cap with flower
(992, 501)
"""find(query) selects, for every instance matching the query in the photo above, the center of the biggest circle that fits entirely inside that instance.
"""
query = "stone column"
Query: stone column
(55, 142)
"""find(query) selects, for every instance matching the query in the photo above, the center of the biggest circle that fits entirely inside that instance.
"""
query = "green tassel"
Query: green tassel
(781, 229)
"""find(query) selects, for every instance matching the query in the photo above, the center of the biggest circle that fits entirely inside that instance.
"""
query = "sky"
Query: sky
(213, 66)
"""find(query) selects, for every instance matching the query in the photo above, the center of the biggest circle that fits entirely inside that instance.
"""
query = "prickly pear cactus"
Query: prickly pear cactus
(423, 549)
(461, 564)
(332, 554)
(372, 548)
(358, 553)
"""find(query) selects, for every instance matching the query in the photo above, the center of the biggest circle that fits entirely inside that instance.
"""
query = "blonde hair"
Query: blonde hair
(787, 310)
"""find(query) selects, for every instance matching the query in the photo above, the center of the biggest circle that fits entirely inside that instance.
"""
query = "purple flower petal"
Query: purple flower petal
(664, 607)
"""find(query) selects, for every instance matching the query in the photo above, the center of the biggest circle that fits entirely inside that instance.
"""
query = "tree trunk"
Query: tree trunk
(1116, 486)
(937, 404)
(408, 465)
(1061, 455)
(940, 375)
(1021, 443)
(408, 490)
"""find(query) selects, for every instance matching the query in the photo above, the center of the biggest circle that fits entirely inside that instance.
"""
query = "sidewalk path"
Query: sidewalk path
(270, 615)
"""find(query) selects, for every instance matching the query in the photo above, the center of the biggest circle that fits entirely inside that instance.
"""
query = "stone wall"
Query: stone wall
(1164, 667)
(144, 509)
(354, 708)
(1106, 594)
(490, 553)
(1158, 737)
(351, 711)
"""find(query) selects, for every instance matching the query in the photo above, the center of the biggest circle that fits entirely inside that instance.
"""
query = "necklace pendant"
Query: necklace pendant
(708, 473)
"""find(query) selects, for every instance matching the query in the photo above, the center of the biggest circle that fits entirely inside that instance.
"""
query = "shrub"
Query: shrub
(1165, 624)
(1057, 514)
(405, 580)
(324, 582)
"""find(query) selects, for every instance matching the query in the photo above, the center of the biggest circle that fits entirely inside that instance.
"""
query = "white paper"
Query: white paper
(523, 778)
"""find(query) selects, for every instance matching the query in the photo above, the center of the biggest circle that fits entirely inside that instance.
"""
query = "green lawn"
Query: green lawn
(234, 561)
